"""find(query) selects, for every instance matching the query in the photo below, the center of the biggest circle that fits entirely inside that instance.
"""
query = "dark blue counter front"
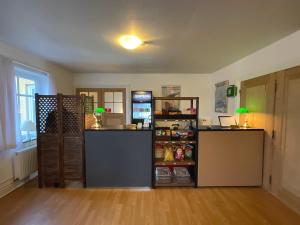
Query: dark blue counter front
(118, 158)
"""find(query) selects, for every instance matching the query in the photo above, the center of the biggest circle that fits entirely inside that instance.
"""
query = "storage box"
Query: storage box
(181, 175)
(163, 175)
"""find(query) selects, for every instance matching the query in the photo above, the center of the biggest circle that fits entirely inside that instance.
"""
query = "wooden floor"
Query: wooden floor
(208, 206)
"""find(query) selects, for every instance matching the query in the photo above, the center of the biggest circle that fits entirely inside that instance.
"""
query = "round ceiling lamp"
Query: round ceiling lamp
(130, 42)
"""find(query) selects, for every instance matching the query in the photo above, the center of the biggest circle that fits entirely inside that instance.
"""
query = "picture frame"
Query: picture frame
(221, 101)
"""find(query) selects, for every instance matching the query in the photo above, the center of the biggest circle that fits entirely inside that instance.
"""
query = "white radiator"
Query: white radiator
(25, 163)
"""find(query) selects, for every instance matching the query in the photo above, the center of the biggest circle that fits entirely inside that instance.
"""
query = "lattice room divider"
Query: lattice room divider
(60, 143)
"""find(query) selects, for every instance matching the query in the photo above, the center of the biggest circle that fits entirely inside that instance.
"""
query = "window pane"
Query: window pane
(26, 86)
(94, 95)
(118, 96)
(118, 108)
(83, 93)
(17, 87)
(27, 117)
(109, 106)
(28, 82)
(108, 96)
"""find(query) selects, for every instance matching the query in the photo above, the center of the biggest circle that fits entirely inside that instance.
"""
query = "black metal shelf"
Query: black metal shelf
(175, 98)
(191, 164)
(175, 184)
(186, 162)
(175, 142)
(176, 117)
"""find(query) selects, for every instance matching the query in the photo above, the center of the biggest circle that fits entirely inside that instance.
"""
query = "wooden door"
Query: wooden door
(286, 160)
(258, 95)
(113, 99)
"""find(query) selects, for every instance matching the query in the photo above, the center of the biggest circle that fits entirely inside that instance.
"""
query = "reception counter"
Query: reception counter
(118, 157)
(230, 157)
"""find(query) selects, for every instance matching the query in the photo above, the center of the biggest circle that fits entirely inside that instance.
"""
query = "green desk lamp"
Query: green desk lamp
(243, 110)
(98, 117)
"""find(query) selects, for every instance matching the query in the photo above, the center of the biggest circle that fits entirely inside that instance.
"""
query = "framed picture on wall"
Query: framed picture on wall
(171, 91)
(221, 104)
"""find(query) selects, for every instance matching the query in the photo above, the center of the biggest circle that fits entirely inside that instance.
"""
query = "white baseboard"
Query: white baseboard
(11, 184)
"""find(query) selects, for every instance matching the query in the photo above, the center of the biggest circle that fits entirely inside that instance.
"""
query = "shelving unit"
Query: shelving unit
(187, 162)
(175, 130)
(175, 184)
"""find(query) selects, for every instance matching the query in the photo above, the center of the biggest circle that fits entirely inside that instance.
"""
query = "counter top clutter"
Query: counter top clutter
(118, 128)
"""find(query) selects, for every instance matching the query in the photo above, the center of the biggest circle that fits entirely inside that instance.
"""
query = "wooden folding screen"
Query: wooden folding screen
(60, 144)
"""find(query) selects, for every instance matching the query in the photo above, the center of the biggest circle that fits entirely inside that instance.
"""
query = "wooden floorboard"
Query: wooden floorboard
(207, 206)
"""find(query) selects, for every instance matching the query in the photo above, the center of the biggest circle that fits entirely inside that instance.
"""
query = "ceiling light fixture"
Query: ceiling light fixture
(130, 42)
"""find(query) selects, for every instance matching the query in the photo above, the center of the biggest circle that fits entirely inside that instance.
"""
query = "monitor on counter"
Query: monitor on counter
(227, 121)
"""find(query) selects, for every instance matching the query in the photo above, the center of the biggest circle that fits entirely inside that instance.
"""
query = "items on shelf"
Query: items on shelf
(169, 156)
(163, 175)
(179, 155)
(166, 175)
(131, 126)
(182, 134)
(175, 142)
(159, 151)
(188, 111)
(168, 134)
(188, 151)
(181, 175)
(169, 152)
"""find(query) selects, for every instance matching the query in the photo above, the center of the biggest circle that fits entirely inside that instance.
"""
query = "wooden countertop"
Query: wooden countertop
(218, 128)
(117, 128)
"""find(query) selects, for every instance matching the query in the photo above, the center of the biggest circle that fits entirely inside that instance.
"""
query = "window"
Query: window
(28, 82)
(113, 100)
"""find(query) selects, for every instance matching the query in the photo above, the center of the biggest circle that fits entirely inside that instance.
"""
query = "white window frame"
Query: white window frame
(40, 78)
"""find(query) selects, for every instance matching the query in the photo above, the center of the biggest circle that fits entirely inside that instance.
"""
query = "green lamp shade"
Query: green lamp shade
(242, 110)
(100, 110)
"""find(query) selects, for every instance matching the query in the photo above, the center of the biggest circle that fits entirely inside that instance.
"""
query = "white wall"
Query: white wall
(280, 55)
(196, 85)
(61, 81)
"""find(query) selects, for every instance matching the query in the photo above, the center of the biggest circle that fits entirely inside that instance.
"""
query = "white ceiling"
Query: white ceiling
(186, 36)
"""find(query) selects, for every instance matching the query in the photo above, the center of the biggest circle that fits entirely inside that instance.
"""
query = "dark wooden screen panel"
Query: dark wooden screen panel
(72, 111)
(60, 122)
(48, 140)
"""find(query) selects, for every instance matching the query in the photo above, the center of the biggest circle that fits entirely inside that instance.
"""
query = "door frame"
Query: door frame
(101, 91)
(280, 141)
(269, 81)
